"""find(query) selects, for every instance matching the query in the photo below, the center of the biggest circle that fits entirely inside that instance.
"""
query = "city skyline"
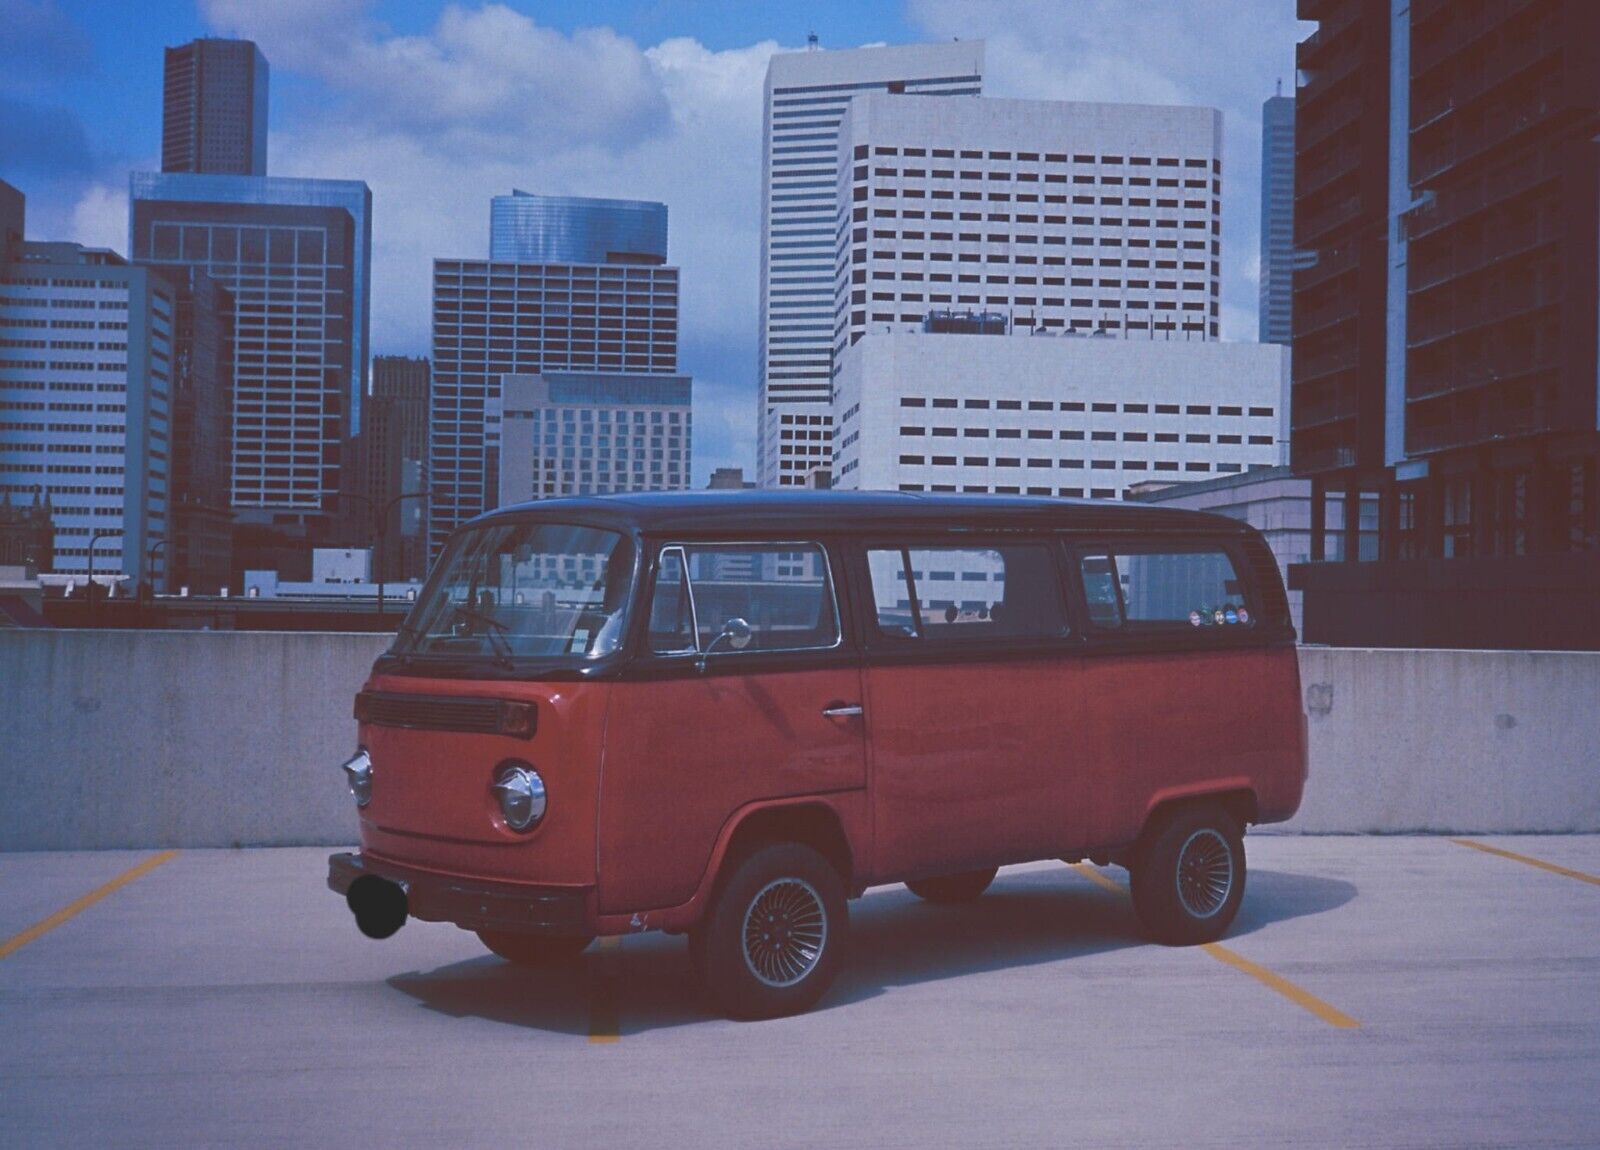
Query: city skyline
(677, 119)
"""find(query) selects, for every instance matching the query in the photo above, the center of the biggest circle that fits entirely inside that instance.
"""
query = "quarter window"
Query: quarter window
(943, 594)
(1189, 588)
(782, 592)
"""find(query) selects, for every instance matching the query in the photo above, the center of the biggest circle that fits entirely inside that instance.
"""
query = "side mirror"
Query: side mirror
(735, 633)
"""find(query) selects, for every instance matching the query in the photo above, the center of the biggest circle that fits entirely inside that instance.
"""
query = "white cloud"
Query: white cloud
(488, 100)
(100, 218)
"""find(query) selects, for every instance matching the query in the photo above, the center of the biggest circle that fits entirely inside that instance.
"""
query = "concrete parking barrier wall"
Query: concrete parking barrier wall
(1454, 741)
(203, 739)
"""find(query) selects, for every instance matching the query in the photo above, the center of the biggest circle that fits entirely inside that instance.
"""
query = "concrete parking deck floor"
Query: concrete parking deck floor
(225, 998)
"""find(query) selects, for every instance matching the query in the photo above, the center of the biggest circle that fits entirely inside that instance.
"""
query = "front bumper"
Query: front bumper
(469, 904)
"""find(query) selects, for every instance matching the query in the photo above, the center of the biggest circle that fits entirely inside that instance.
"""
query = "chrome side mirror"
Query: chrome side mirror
(735, 633)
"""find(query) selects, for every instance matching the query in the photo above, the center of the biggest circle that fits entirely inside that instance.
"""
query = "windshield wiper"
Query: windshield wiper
(497, 633)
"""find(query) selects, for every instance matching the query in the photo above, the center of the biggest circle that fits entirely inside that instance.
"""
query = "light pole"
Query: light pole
(93, 539)
(383, 533)
(380, 527)
(150, 565)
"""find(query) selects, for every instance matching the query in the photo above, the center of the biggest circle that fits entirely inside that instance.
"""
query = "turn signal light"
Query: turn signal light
(519, 720)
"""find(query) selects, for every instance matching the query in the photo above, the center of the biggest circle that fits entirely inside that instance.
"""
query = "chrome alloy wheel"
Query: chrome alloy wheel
(785, 931)
(1205, 873)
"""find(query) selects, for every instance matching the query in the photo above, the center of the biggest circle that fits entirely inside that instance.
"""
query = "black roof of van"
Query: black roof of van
(807, 511)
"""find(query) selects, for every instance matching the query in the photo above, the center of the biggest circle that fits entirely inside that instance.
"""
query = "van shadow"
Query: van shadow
(1027, 918)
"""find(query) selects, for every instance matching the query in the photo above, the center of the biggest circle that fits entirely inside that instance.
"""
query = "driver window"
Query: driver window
(782, 591)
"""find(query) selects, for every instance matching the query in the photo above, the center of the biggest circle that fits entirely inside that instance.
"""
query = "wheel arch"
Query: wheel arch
(1237, 798)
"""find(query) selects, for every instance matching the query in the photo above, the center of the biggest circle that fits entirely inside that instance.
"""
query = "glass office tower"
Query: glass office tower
(576, 286)
(525, 228)
(295, 256)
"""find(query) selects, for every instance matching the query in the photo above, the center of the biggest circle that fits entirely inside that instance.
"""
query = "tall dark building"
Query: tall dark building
(12, 209)
(1445, 361)
(392, 456)
(1277, 218)
(201, 523)
(214, 109)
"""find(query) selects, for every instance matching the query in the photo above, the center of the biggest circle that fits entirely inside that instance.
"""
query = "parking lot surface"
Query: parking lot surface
(1374, 992)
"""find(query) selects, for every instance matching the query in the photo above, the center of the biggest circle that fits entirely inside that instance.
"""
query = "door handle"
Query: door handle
(842, 711)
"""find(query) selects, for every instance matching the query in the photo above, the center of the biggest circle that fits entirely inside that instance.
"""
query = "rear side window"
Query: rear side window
(943, 594)
(720, 598)
(1190, 588)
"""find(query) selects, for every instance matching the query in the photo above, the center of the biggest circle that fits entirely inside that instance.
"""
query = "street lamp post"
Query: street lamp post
(150, 565)
(93, 539)
(383, 533)
(380, 528)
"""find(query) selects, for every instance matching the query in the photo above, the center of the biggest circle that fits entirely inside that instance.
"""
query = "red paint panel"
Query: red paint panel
(431, 805)
(974, 764)
(682, 755)
(1177, 724)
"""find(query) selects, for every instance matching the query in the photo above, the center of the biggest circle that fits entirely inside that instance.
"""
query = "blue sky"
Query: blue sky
(439, 106)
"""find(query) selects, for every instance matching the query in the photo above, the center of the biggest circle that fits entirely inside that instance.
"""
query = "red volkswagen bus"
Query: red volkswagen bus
(727, 714)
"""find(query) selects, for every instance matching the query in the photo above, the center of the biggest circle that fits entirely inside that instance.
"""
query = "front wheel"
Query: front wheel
(1188, 880)
(774, 937)
(534, 950)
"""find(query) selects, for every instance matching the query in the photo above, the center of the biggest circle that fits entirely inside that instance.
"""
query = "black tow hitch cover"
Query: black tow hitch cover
(378, 904)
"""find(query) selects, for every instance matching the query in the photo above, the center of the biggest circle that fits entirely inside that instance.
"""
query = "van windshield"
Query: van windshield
(523, 590)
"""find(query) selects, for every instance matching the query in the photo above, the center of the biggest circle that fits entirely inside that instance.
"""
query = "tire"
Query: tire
(950, 888)
(535, 950)
(1188, 878)
(748, 973)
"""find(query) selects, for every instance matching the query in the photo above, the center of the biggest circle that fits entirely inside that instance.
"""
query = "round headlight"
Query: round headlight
(358, 773)
(520, 791)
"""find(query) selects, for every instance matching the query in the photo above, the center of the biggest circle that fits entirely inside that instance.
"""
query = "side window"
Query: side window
(1165, 588)
(782, 592)
(955, 593)
(671, 611)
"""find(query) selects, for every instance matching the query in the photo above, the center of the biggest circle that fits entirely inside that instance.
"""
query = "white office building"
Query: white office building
(579, 433)
(1042, 214)
(807, 94)
(85, 392)
(1061, 415)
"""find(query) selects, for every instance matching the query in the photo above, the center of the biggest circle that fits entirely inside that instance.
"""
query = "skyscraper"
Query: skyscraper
(393, 456)
(531, 229)
(85, 383)
(583, 307)
(1050, 216)
(200, 553)
(12, 210)
(214, 109)
(1445, 355)
(294, 255)
(807, 93)
(1277, 218)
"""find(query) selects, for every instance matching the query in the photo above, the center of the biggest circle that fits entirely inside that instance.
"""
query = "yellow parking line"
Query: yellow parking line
(1298, 995)
(605, 1021)
(1540, 863)
(18, 941)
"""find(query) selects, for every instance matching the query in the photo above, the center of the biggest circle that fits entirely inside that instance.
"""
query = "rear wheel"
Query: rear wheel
(962, 887)
(534, 949)
(1188, 879)
(773, 939)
